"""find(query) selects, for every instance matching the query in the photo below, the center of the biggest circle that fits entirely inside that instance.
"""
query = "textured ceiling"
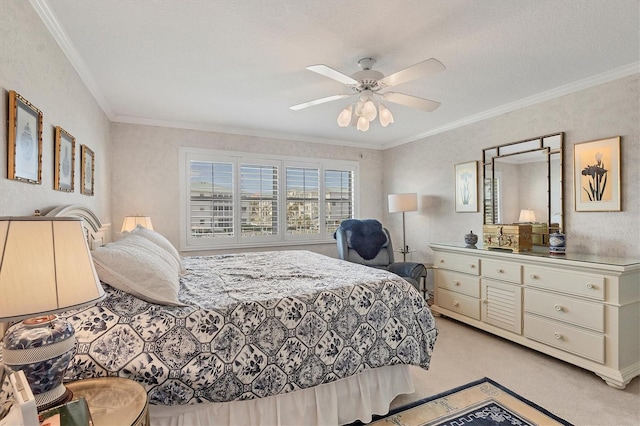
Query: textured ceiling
(236, 66)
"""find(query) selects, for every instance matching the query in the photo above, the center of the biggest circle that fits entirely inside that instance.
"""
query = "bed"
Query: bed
(278, 337)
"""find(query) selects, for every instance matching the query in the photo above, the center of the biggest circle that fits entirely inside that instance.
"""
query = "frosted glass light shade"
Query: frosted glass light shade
(45, 267)
(130, 223)
(369, 111)
(527, 216)
(403, 202)
(363, 124)
(344, 118)
(386, 117)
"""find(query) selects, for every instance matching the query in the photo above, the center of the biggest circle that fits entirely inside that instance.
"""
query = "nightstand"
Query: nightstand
(113, 400)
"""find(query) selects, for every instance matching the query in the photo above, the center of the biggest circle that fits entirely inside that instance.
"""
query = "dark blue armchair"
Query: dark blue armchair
(368, 243)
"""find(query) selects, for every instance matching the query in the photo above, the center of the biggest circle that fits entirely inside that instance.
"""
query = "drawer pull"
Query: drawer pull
(558, 307)
(456, 283)
(485, 301)
(557, 335)
(456, 303)
(590, 286)
(533, 276)
(500, 271)
(472, 266)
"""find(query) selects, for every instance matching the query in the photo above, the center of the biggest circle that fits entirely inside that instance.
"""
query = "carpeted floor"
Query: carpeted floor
(482, 402)
(463, 354)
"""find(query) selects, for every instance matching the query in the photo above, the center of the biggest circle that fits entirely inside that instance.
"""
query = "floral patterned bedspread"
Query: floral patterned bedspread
(255, 325)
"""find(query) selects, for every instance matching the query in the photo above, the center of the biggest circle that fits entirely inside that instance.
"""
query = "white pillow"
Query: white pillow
(139, 267)
(161, 241)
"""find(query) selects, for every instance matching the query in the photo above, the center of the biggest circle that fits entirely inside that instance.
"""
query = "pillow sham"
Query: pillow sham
(160, 241)
(139, 267)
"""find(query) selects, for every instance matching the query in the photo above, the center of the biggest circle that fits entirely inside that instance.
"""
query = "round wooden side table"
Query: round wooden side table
(113, 400)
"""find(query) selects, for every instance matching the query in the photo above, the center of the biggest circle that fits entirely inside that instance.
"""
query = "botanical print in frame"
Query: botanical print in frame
(24, 144)
(466, 187)
(596, 170)
(87, 170)
(64, 161)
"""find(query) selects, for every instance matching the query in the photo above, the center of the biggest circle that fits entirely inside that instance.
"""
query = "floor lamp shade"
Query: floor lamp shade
(407, 202)
(45, 268)
(403, 202)
(130, 223)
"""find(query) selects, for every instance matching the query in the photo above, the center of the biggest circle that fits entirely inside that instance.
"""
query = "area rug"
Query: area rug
(480, 403)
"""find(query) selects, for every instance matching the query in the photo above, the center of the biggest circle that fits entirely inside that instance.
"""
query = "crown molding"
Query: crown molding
(50, 20)
(576, 86)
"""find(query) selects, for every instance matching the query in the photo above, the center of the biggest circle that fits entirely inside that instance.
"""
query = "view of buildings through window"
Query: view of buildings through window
(213, 203)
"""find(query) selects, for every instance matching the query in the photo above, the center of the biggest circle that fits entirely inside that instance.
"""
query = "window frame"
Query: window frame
(188, 243)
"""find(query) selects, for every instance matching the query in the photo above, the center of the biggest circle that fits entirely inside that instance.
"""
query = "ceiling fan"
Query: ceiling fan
(369, 84)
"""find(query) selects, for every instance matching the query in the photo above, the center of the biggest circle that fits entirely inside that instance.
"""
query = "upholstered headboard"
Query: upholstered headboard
(97, 232)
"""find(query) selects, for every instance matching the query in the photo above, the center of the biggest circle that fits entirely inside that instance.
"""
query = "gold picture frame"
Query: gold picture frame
(24, 141)
(87, 170)
(466, 181)
(596, 172)
(64, 161)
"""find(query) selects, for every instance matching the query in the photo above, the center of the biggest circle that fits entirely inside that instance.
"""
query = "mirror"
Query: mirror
(523, 184)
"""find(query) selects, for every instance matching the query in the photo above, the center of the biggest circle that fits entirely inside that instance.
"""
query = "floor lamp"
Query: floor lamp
(403, 203)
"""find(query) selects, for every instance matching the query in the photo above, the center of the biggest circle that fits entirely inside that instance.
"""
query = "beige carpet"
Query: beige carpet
(463, 354)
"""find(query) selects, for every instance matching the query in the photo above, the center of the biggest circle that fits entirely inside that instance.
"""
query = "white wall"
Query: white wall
(426, 167)
(32, 64)
(145, 172)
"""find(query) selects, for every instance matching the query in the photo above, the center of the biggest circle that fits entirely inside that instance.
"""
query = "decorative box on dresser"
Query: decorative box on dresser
(582, 309)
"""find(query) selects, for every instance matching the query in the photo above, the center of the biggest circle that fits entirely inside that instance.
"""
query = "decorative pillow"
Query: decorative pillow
(139, 267)
(159, 240)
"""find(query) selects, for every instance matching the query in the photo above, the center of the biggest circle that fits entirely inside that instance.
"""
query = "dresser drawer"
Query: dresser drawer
(579, 312)
(586, 285)
(454, 262)
(501, 270)
(458, 282)
(460, 303)
(566, 337)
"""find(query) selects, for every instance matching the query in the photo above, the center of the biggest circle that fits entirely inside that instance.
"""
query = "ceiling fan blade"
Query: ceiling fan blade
(317, 102)
(421, 69)
(411, 101)
(331, 73)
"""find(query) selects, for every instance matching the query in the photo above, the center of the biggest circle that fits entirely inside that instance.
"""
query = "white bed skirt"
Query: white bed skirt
(343, 401)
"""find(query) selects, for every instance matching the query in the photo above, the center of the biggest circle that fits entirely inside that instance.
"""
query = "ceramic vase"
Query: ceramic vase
(470, 240)
(557, 243)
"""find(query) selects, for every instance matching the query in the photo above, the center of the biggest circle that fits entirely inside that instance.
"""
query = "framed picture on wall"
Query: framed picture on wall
(24, 141)
(466, 181)
(87, 170)
(596, 175)
(64, 161)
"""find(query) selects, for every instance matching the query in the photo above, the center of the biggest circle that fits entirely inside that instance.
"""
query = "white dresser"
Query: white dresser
(582, 309)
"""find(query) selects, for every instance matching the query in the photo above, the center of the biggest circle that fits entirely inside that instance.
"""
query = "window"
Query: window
(233, 199)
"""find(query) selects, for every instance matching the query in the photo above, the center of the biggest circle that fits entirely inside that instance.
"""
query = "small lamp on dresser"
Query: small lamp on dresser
(45, 268)
(130, 223)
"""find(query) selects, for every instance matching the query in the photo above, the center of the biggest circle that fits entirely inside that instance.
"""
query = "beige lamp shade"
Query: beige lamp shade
(130, 223)
(527, 216)
(45, 267)
(403, 202)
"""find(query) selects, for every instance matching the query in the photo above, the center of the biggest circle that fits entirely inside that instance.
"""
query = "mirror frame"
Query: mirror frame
(552, 144)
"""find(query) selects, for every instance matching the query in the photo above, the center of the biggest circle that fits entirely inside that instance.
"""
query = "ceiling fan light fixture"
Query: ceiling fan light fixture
(386, 117)
(369, 110)
(363, 124)
(344, 118)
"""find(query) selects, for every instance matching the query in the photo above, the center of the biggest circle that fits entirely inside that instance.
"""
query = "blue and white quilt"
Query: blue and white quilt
(255, 325)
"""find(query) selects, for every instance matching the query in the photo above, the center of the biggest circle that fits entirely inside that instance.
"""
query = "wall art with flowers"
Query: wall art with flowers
(466, 186)
(596, 170)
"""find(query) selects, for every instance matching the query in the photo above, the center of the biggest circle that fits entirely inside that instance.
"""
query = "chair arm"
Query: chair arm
(412, 270)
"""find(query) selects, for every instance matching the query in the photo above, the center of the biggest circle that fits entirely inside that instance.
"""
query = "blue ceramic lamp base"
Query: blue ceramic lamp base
(42, 348)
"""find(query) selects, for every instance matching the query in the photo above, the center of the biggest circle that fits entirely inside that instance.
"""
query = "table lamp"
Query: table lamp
(403, 203)
(527, 216)
(45, 268)
(130, 223)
